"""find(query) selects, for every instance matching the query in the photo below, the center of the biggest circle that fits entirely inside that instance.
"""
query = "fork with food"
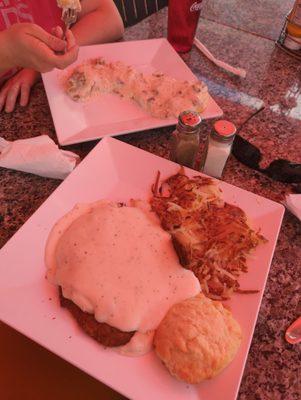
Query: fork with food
(70, 10)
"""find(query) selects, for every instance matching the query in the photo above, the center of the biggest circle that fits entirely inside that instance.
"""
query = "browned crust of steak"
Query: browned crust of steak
(105, 334)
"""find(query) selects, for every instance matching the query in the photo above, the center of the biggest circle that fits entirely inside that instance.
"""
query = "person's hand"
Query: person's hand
(27, 45)
(19, 85)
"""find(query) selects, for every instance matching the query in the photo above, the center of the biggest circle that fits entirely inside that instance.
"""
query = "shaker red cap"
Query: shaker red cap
(224, 128)
(190, 118)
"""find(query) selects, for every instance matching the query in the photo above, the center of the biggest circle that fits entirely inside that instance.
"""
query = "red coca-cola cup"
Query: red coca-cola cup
(183, 17)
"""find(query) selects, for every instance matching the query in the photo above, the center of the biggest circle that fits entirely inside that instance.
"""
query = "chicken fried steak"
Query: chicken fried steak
(105, 334)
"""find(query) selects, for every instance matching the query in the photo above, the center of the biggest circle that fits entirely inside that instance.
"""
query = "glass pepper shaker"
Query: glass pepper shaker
(185, 138)
(218, 148)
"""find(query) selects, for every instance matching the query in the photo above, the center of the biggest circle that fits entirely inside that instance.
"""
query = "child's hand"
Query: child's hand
(29, 46)
(19, 85)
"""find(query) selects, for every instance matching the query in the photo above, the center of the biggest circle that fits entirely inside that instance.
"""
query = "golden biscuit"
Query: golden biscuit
(197, 339)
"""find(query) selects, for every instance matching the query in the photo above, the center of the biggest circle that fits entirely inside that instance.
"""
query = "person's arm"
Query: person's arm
(98, 22)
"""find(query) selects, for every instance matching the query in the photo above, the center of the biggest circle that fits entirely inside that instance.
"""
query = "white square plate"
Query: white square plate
(110, 171)
(108, 114)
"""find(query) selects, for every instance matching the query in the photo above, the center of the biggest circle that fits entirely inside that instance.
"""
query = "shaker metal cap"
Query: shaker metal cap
(224, 129)
(190, 121)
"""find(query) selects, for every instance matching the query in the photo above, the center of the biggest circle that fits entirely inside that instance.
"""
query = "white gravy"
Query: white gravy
(119, 264)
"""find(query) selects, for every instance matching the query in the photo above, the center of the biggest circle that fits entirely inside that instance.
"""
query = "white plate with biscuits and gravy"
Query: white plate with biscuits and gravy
(119, 88)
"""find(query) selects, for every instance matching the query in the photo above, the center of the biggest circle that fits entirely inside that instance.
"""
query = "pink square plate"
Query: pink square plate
(117, 171)
(109, 115)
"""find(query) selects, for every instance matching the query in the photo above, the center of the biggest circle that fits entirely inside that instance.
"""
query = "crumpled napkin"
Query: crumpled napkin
(293, 203)
(38, 155)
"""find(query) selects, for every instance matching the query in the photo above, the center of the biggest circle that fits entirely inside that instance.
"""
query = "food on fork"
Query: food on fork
(197, 339)
(212, 238)
(159, 94)
(69, 4)
(117, 272)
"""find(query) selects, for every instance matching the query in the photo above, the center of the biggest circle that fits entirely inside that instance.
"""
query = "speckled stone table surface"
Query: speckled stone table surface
(273, 78)
(263, 18)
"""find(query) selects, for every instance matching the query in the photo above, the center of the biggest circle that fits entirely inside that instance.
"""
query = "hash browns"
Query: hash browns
(212, 238)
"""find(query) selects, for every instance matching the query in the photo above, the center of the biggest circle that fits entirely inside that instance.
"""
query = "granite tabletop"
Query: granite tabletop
(232, 31)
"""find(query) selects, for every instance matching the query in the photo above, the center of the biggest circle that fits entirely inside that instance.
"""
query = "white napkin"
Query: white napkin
(293, 203)
(38, 155)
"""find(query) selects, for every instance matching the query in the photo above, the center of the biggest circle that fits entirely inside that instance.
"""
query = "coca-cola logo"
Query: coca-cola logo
(196, 6)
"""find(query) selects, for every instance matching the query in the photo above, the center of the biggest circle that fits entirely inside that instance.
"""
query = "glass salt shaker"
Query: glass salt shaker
(218, 148)
(185, 138)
